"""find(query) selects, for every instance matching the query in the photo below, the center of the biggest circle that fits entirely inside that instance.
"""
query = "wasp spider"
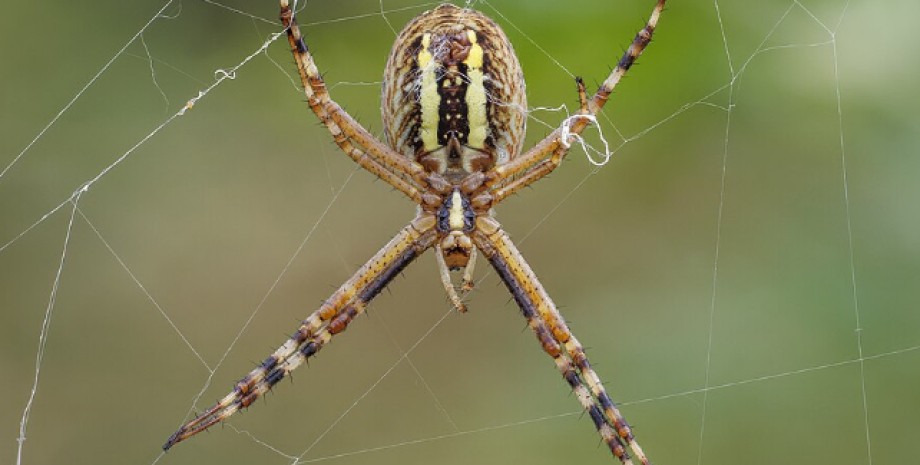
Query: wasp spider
(454, 113)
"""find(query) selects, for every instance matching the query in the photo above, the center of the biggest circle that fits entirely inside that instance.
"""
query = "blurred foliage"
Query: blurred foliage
(208, 212)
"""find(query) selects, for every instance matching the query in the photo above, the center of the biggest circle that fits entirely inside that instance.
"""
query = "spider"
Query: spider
(454, 112)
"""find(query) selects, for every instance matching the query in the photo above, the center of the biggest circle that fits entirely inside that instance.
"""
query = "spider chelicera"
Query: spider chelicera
(454, 113)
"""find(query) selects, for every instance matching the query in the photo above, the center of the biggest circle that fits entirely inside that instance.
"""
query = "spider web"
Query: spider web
(743, 269)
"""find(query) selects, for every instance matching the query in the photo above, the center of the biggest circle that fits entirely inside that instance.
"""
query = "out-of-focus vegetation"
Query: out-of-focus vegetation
(207, 213)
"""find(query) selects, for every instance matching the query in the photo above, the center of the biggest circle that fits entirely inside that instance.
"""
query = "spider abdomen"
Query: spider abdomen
(453, 93)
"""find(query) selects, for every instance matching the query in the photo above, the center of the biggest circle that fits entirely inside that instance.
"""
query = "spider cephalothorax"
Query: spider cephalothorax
(454, 111)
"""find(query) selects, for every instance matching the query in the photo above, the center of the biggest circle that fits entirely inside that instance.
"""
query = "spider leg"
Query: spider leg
(349, 301)
(556, 338)
(467, 284)
(400, 172)
(534, 163)
(545, 165)
(444, 271)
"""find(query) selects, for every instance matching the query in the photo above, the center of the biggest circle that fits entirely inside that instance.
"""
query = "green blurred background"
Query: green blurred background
(207, 213)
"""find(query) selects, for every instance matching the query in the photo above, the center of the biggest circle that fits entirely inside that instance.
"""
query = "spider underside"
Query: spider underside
(454, 112)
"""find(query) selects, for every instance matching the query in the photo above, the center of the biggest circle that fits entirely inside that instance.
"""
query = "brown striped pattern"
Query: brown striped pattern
(507, 102)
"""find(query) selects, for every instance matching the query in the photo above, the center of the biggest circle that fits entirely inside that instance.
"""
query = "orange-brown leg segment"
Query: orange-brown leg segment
(331, 318)
(553, 146)
(404, 174)
(556, 338)
(544, 166)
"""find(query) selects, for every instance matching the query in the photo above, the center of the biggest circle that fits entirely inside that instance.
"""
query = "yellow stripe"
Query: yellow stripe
(430, 100)
(475, 95)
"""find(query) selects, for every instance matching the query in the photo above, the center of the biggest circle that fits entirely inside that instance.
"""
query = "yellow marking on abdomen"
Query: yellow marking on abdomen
(428, 96)
(476, 95)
